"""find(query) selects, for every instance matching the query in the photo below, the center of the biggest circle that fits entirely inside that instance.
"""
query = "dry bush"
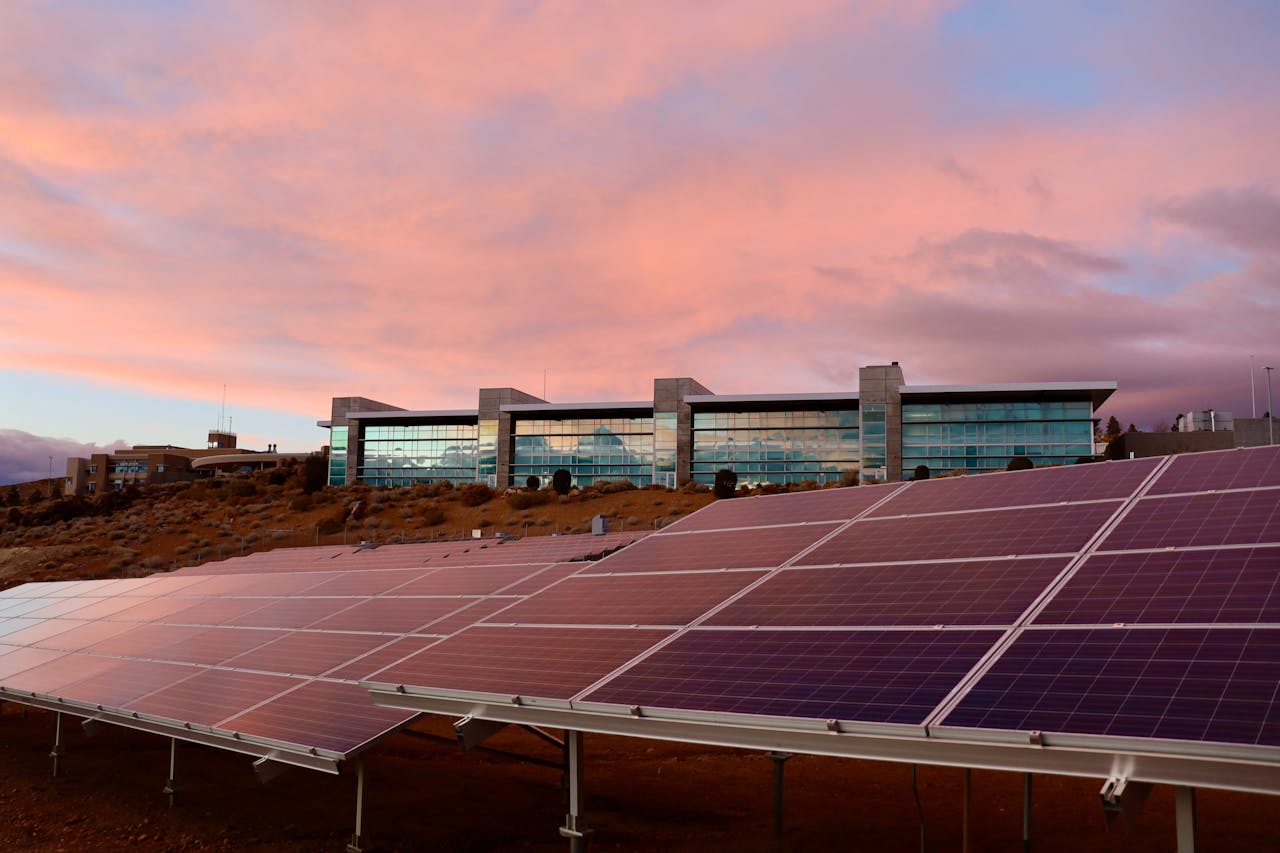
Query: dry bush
(526, 499)
(475, 494)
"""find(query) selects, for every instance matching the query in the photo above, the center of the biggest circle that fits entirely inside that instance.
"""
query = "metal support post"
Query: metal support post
(354, 846)
(171, 788)
(575, 824)
(57, 741)
(778, 759)
(964, 811)
(1184, 798)
(1026, 813)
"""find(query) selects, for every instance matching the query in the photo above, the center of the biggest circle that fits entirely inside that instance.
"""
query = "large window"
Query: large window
(985, 436)
(418, 453)
(590, 449)
(776, 447)
(338, 455)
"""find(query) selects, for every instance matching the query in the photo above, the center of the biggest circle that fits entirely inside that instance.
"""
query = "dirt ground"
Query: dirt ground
(641, 795)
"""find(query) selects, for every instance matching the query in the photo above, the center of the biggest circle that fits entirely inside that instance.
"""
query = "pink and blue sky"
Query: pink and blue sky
(301, 200)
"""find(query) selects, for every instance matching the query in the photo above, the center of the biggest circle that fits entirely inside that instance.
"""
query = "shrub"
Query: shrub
(562, 481)
(922, 473)
(433, 516)
(524, 500)
(612, 487)
(242, 488)
(475, 494)
(1020, 463)
(532, 483)
(726, 483)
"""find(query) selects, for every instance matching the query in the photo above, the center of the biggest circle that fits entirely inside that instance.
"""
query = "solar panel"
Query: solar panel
(990, 533)
(553, 663)
(669, 599)
(1232, 469)
(1176, 683)
(209, 696)
(1070, 483)
(1222, 518)
(867, 676)
(734, 549)
(764, 510)
(1238, 585)
(986, 592)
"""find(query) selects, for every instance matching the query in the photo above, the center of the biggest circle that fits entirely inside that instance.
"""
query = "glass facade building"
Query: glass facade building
(981, 436)
(405, 455)
(882, 431)
(590, 449)
(776, 446)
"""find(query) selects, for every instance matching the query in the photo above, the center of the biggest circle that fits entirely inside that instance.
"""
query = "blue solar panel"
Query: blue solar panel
(868, 676)
(1178, 683)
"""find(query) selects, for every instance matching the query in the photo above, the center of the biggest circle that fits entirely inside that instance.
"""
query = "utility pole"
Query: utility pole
(1271, 412)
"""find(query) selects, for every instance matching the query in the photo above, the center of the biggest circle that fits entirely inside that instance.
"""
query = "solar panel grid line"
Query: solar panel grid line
(1253, 517)
(984, 664)
(1225, 491)
(656, 648)
(995, 509)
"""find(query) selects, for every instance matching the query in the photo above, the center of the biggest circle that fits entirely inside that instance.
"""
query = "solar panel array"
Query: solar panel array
(264, 651)
(1134, 599)
(1131, 599)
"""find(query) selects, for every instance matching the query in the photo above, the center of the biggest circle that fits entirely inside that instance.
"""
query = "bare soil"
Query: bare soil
(641, 795)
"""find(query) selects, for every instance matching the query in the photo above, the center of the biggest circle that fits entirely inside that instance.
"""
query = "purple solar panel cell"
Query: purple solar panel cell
(477, 611)
(124, 682)
(20, 659)
(51, 677)
(1223, 518)
(213, 646)
(326, 714)
(992, 533)
(761, 547)
(307, 652)
(144, 640)
(1109, 481)
(289, 612)
(63, 607)
(283, 583)
(669, 599)
(214, 610)
(865, 676)
(392, 615)
(104, 607)
(1180, 683)
(40, 630)
(766, 510)
(985, 592)
(470, 580)
(545, 578)
(209, 696)
(360, 668)
(1243, 468)
(1235, 585)
(552, 663)
(152, 609)
(368, 582)
(86, 634)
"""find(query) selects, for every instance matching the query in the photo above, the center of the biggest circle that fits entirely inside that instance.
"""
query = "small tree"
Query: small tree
(532, 483)
(315, 474)
(922, 472)
(562, 481)
(1020, 463)
(726, 483)
(1132, 428)
(1113, 427)
(14, 497)
(35, 497)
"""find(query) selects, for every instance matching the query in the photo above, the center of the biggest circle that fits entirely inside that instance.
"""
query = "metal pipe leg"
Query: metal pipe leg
(778, 758)
(575, 824)
(358, 838)
(171, 787)
(1026, 813)
(57, 741)
(1184, 798)
(964, 812)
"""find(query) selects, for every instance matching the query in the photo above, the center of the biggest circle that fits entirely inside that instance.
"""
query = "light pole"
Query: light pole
(1271, 412)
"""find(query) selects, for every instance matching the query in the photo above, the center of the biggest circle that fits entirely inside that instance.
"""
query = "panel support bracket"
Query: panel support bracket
(171, 787)
(356, 844)
(473, 731)
(267, 768)
(56, 752)
(575, 825)
(1120, 796)
(1184, 798)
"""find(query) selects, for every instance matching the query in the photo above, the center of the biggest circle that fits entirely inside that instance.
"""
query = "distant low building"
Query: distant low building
(1197, 432)
(145, 463)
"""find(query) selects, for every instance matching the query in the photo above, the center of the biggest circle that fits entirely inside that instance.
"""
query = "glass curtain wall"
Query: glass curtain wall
(776, 447)
(590, 449)
(875, 448)
(338, 455)
(422, 453)
(985, 436)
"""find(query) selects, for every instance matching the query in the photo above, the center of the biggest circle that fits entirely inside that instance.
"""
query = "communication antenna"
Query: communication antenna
(1253, 396)
(222, 413)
